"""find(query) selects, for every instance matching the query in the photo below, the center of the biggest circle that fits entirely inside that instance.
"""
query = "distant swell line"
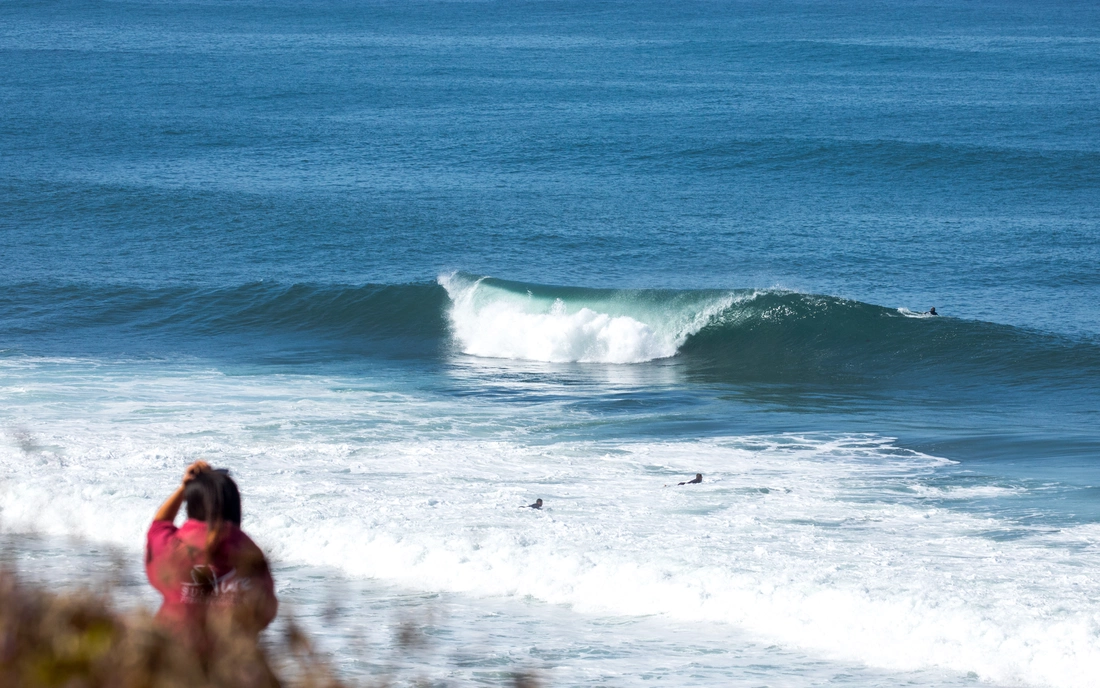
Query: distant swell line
(331, 311)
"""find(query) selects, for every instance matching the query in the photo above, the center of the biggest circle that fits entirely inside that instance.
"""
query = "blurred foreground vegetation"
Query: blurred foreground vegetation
(79, 639)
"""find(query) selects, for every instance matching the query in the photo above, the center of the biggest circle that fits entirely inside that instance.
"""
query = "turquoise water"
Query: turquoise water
(405, 267)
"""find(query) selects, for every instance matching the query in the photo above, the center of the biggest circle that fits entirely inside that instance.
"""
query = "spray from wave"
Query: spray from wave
(498, 319)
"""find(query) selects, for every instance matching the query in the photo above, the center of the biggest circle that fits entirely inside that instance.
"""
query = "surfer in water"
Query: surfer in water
(932, 311)
(536, 505)
(698, 479)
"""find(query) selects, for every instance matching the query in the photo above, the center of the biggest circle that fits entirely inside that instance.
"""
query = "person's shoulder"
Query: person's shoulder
(159, 538)
(238, 537)
(247, 555)
(162, 528)
(192, 533)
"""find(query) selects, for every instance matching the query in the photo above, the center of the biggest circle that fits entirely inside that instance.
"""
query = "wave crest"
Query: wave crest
(493, 319)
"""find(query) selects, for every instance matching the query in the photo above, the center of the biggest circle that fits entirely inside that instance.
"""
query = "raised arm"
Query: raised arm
(171, 506)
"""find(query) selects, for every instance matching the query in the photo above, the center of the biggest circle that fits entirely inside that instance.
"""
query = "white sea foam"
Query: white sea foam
(493, 322)
(968, 492)
(817, 542)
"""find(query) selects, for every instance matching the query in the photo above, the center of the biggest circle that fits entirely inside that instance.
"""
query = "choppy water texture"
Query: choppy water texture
(405, 267)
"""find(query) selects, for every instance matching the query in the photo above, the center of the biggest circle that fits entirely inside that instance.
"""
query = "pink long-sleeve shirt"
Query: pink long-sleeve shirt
(235, 578)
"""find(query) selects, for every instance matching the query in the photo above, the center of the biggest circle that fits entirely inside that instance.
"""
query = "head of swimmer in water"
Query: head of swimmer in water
(212, 496)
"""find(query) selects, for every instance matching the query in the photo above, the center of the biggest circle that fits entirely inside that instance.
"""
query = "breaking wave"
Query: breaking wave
(727, 335)
(501, 319)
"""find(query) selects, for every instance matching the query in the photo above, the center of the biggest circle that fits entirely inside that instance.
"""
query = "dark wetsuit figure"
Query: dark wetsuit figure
(932, 311)
(536, 505)
(698, 479)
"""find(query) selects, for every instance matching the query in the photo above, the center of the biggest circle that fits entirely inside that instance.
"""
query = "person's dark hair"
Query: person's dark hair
(212, 496)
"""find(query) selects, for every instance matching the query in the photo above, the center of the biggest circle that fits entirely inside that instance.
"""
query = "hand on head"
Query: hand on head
(193, 470)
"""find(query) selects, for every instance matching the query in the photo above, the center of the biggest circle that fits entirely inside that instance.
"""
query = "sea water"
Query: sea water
(406, 267)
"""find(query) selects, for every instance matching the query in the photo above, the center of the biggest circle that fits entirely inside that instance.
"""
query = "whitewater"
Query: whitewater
(494, 322)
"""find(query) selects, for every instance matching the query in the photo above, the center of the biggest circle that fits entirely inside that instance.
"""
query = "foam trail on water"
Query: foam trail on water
(491, 321)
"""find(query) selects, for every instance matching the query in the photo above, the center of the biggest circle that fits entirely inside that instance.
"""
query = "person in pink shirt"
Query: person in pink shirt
(208, 570)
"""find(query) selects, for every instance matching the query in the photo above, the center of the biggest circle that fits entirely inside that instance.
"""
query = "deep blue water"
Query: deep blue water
(283, 189)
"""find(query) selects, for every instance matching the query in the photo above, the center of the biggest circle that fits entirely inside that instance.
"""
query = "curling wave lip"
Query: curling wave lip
(490, 319)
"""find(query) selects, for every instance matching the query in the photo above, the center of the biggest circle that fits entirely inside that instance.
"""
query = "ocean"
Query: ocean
(405, 267)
